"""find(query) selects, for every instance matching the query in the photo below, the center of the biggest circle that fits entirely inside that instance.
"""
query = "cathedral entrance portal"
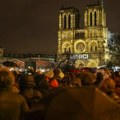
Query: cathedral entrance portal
(92, 64)
(79, 64)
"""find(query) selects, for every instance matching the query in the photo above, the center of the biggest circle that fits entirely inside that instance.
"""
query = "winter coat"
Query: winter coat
(12, 106)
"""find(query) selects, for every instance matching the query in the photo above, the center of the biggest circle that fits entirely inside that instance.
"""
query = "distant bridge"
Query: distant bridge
(40, 62)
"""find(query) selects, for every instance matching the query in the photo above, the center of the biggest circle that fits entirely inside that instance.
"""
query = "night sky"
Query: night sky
(31, 26)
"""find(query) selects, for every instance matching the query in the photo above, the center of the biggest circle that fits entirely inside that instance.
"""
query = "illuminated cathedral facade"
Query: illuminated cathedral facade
(88, 46)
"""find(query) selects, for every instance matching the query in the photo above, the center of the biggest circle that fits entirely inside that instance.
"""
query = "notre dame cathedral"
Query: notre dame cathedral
(87, 47)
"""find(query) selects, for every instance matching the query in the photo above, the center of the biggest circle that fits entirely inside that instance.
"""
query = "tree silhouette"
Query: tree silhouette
(114, 48)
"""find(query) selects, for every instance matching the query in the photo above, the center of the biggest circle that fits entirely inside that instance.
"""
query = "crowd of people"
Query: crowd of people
(18, 91)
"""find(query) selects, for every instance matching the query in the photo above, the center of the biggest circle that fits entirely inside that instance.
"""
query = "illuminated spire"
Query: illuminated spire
(100, 2)
(62, 4)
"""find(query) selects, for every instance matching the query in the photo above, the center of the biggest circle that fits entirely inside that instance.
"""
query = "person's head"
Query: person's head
(116, 74)
(7, 79)
(56, 71)
(99, 76)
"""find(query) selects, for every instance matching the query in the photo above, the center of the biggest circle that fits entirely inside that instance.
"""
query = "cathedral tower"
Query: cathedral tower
(96, 31)
(68, 24)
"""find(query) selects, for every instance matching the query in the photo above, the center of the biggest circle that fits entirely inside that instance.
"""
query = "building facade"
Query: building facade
(87, 46)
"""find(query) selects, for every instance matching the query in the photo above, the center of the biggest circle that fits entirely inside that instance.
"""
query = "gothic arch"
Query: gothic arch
(65, 22)
(95, 18)
(66, 47)
(93, 46)
(69, 21)
(79, 63)
(90, 18)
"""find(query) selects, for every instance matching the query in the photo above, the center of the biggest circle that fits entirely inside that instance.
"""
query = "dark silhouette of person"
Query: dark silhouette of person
(13, 106)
